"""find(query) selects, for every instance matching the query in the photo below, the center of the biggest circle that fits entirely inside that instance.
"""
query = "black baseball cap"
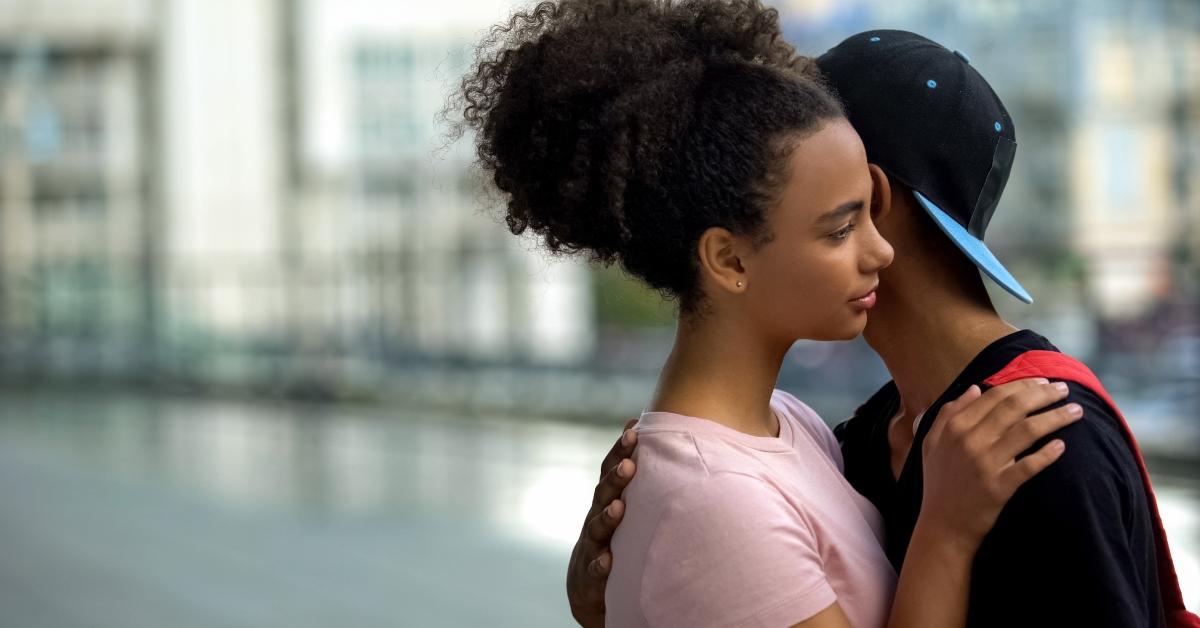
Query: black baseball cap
(932, 122)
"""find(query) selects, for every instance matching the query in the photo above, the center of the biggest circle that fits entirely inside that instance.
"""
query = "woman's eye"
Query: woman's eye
(843, 233)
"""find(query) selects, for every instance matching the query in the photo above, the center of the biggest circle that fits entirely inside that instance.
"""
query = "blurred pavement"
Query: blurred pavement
(128, 511)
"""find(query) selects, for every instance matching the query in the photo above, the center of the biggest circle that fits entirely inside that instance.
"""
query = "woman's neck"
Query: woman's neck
(721, 372)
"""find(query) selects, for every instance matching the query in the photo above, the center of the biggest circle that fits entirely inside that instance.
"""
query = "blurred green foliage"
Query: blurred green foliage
(626, 302)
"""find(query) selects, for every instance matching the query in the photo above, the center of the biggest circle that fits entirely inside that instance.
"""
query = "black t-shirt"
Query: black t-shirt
(1073, 547)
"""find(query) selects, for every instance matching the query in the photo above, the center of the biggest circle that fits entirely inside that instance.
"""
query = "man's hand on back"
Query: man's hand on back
(591, 560)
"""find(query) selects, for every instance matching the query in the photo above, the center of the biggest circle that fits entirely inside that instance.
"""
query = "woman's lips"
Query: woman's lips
(866, 301)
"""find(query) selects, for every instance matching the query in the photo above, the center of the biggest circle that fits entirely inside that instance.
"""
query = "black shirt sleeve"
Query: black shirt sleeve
(865, 454)
(1075, 545)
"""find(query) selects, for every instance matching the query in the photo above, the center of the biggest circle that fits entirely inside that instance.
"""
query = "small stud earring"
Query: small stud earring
(739, 284)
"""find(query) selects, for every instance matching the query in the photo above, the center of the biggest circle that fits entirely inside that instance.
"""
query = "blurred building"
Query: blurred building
(76, 173)
(232, 190)
(202, 185)
(451, 279)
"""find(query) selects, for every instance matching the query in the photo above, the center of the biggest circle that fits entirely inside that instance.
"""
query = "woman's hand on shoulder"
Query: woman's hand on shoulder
(971, 455)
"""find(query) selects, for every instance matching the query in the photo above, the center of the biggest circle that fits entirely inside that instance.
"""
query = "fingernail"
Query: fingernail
(1060, 386)
(627, 438)
(1058, 445)
(1075, 410)
(608, 510)
(621, 471)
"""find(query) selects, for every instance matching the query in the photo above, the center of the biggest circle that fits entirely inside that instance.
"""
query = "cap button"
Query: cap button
(962, 55)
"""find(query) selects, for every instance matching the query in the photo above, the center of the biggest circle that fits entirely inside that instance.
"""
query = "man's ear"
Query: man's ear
(881, 193)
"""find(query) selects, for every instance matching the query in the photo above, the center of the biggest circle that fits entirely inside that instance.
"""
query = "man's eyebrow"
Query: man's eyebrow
(834, 215)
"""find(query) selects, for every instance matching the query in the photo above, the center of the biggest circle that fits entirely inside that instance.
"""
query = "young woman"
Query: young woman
(687, 142)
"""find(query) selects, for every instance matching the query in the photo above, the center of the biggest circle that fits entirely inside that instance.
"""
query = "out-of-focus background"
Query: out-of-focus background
(269, 359)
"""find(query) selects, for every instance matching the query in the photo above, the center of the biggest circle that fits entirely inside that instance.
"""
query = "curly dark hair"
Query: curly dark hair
(625, 128)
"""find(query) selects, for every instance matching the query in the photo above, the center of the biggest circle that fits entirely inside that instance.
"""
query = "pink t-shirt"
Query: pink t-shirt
(727, 529)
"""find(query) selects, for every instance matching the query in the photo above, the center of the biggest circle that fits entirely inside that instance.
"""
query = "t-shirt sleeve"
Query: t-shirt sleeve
(729, 550)
(1075, 542)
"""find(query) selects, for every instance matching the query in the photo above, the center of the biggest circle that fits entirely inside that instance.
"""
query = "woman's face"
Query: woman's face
(816, 278)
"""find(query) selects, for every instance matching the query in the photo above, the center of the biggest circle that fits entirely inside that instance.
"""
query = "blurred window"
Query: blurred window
(1121, 168)
(386, 112)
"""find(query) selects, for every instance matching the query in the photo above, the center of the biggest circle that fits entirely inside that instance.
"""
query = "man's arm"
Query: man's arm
(1075, 545)
(591, 560)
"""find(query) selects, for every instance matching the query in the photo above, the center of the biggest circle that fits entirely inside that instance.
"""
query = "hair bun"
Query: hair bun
(584, 111)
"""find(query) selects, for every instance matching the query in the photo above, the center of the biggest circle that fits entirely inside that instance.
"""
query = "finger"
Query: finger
(601, 527)
(599, 568)
(623, 448)
(1018, 405)
(612, 484)
(1022, 470)
(597, 535)
(1024, 434)
(998, 394)
(1012, 405)
(952, 408)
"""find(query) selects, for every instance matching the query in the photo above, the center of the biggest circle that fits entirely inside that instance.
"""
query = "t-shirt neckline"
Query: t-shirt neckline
(658, 420)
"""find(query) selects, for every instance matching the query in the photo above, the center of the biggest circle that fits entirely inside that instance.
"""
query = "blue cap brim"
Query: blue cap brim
(975, 249)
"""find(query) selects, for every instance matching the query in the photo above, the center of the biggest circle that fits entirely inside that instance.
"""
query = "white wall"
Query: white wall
(221, 124)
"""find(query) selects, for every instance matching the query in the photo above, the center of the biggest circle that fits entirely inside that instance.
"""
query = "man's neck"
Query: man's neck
(925, 347)
(719, 372)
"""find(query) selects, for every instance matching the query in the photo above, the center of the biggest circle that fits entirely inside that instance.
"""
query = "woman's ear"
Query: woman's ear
(881, 193)
(719, 260)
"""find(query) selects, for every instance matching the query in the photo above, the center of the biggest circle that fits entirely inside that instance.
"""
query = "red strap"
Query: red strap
(1058, 366)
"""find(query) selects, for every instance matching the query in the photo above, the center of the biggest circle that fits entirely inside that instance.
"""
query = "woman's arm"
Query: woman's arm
(934, 583)
(971, 470)
(932, 591)
(971, 467)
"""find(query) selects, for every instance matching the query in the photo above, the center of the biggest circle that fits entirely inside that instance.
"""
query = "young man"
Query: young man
(1079, 545)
